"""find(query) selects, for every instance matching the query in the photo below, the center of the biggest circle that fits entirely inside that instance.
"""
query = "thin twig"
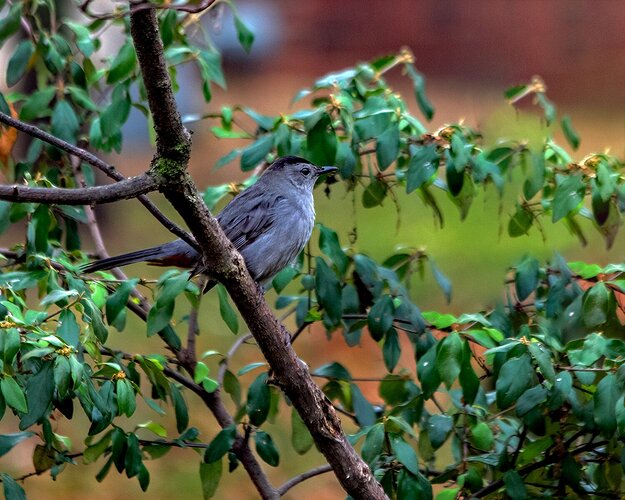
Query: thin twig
(294, 481)
(96, 234)
(223, 364)
(188, 8)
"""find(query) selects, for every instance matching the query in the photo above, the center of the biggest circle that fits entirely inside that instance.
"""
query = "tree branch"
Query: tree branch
(122, 190)
(228, 266)
(294, 481)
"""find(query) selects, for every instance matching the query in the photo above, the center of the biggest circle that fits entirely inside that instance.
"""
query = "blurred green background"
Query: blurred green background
(469, 54)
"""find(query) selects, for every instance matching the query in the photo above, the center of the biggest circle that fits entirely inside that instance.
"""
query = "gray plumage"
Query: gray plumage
(269, 223)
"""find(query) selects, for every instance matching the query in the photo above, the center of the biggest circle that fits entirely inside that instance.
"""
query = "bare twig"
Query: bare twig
(223, 365)
(96, 234)
(294, 481)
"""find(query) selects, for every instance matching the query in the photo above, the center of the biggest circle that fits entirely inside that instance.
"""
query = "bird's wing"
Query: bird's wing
(245, 218)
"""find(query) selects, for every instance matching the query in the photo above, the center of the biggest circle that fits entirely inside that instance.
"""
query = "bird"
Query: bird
(269, 224)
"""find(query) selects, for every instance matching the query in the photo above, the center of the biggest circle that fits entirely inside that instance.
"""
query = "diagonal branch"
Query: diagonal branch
(122, 190)
(226, 264)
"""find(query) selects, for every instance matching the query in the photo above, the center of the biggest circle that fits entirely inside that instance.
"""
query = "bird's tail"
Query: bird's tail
(145, 255)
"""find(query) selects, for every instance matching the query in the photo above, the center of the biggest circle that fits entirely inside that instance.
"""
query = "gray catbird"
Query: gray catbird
(268, 223)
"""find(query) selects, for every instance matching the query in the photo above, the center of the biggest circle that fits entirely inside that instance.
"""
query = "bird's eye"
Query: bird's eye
(305, 171)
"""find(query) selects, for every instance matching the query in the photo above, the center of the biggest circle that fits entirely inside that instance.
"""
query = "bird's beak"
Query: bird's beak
(327, 170)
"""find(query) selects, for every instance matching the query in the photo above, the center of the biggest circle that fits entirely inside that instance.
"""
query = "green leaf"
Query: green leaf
(93, 316)
(256, 152)
(526, 277)
(530, 399)
(210, 474)
(598, 303)
(126, 398)
(10, 344)
(83, 37)
(116, 304)
(425, 106)
(222, 443)
(213, 194)
(123, 64)
(258, 400)
(159, 317)
(569, 132)
(515, 377)
(11, 22)
(380, 317)
(228, 314)
(62, 375)
(469, 381)
(321, 142)
(329, 245)
(449, 358)
(515, 488)
(328, 290)
(547, 106)
(8, 441)
(232, 386)
(65, 124)
(12, 490)
(543, 359)
(427, 372)
(568, 195)
(391, 350)
(18, 64)
(39, 393)
(81, 98)
(301, 440)
(374, 194)
(404, 453)
(411, 486)
(438, 429)
(266, 448)
(422, 167)
(482, 436)
(13, 394)
(132, 460)
(521, 222)
(68, 329)
(387, 146)
(245, 36)
(372, 447)
(180, 408)
(37, 104)
(605, 400)
(365, 413)
(536, 181)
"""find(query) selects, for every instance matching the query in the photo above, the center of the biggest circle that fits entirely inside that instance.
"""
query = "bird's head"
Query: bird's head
(295, 171)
